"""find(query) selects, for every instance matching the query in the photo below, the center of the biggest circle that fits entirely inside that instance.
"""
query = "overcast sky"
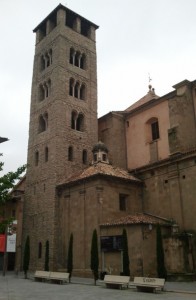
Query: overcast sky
(135, 38)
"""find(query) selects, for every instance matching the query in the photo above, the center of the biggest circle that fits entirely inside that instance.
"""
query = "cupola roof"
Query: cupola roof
(100, 147)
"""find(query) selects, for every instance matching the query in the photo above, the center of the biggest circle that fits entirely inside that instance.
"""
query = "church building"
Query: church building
(130, 169)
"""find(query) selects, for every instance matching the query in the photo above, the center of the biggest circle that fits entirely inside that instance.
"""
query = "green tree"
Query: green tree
(7, 182)
(161, 270)
(26, 258)
(95, 256)
(46, 265)
(126, 270)
(70, 257)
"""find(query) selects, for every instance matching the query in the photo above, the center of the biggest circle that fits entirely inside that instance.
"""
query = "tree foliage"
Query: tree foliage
(5, 223)
(161, 270)
(26, 257)
(8, 181)
(95, 256)
(126, 270)
(70, 257)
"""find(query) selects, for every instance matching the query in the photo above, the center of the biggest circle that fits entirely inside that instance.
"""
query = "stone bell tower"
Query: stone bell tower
(63, 121)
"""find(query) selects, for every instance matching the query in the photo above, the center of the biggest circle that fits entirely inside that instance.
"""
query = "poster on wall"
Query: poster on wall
(2, 242)
(11, 243)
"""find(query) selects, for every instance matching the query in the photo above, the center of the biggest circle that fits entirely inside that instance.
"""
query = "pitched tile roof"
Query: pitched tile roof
(149, 96)
(101, 169)
(139, 218)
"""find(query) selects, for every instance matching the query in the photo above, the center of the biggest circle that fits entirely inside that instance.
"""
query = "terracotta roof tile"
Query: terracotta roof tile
(103, 169)
(139, 218)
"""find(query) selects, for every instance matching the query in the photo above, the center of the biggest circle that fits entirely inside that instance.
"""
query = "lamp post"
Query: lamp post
(5, 253)
(2, 140)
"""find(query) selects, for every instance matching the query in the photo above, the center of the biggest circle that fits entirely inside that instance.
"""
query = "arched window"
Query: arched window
(47, 58)
(73, 119)
(77, 90)
(41, 93)
(155, 130)
(83, 61)
(43, 123)
(72, 56)
(36, 158)
(44, 90)
(42, 63)
(84, 157)
(40, 250)
(83, 92)
(48, 90)
(77, 61)
(70, 153)
(46, 120)
(71, 87)
(152, 129)
(80, 122)
(152, 138)
(104, 157)
(46, 154)
(50, 56)
(77, 121)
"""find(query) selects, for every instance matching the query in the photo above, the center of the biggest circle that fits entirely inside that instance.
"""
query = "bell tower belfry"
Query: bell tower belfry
(63, 120)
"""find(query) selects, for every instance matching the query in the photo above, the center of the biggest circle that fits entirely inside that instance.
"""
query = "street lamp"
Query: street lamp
(5, 253)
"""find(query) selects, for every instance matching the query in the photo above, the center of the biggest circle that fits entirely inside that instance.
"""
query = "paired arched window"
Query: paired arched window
(44, 90)
(77, 121)
(77, 89)
(36, 156)
(77, 59)
(71, 155)
(43, 122)
(46, 60)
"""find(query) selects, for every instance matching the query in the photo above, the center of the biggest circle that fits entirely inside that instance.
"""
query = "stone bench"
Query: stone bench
(42, 275)
(59, 277)
(147, 284)
(116, 281)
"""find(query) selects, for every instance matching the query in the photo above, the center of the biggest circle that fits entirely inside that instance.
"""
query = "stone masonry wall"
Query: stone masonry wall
(40, 194)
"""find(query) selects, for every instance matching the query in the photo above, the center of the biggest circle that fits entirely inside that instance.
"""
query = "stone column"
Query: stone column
(61, 17)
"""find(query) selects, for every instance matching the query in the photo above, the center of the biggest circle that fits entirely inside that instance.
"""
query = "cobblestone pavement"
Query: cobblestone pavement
(14, 287)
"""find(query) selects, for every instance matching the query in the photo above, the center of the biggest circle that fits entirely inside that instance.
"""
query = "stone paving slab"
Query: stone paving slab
(14, 287)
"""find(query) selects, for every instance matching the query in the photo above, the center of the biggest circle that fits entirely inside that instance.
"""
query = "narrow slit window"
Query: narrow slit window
(70, 153)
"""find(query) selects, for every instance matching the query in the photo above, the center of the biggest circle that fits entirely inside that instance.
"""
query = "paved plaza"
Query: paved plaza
(14, 287)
